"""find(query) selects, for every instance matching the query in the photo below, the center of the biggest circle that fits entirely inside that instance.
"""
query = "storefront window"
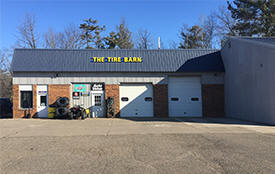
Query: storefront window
(26, 99)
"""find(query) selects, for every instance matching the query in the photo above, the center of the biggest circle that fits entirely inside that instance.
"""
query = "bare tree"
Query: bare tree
(27, 35)
(144, 39)
(5, 60)
(70, 38)
(51, 39)
(173, 45)
(225, 22)
(209, 28)
(5, 74)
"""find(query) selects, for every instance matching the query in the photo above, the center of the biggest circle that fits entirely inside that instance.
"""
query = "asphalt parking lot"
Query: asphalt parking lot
(136, 146)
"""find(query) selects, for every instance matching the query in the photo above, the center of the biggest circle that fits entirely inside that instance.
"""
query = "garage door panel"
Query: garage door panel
(188, 92)
(136, 100)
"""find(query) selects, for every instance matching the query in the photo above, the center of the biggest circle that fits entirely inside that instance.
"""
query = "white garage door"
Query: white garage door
(184, 95)
(136, 100)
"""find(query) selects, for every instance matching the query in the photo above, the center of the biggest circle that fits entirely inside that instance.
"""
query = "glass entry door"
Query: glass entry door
(98, 104)
(42, 101)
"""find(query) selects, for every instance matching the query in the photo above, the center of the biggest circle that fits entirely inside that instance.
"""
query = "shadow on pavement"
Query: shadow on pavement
(6, 116)
(204, 120)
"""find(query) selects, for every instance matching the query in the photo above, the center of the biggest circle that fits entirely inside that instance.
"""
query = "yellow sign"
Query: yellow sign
(116, 60)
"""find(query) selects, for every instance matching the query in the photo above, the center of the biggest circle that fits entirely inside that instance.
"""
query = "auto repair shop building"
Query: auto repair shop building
(143, 83)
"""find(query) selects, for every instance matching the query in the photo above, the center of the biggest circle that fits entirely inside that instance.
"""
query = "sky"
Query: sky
(163, 18)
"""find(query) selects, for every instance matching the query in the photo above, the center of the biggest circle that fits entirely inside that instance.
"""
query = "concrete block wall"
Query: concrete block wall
(249, 80)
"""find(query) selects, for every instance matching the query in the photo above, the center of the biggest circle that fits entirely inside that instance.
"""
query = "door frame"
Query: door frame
(93, 93)
(38, 101)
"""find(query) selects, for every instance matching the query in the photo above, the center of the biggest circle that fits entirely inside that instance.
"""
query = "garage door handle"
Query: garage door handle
(195, 99)
(148, 99)
(174, 99)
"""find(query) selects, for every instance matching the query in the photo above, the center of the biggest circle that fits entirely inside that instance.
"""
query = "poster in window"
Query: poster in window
(79, 88)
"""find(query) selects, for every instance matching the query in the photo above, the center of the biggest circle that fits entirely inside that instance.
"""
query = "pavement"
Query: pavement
(180, 145)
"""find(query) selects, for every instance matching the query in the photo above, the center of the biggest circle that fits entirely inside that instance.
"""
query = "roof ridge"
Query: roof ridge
(250, 37)
(62, 49)
(255, 41)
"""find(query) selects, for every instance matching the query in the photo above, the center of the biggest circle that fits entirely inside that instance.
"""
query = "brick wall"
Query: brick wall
(213, 100)
(21, 113)
(56, 91)
(113, 91)
(160, 100)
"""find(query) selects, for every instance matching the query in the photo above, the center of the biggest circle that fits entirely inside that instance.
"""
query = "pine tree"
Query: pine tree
(246, 15)
(192, 38)
(112, 40)
(124, 36)
(253, 17)
(91, 33)
(267, 17)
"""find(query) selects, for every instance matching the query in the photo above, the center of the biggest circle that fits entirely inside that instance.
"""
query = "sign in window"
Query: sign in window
(79, 88)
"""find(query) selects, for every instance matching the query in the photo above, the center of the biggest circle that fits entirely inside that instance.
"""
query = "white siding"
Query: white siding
(109, 78)
(83, 101)
(25, 87)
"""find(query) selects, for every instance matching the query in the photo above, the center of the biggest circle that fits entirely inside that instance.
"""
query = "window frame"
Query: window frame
(46, 102)
(26, 88)
(97, 101)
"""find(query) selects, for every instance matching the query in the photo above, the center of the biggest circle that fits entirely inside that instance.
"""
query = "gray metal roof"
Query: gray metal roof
(61, 60)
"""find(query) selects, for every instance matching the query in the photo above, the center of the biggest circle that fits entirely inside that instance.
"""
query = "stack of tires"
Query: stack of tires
(62, 109)
(110, 103)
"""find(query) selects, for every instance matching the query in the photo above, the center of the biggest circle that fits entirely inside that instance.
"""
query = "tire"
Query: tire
(61, 111)
(62, 101)
(70, 116)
